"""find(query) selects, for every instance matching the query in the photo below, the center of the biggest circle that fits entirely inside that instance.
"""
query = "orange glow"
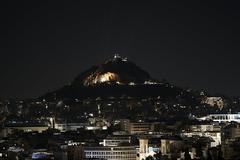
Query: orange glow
(107, 77)
(101, 78)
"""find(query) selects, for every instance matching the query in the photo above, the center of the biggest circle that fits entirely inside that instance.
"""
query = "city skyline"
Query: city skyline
(115, 80)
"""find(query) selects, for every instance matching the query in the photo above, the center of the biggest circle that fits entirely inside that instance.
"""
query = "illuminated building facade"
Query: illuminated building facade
(223, 117)
(111, 153)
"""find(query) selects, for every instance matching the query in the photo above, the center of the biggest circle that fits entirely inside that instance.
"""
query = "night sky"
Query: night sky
(44, 46)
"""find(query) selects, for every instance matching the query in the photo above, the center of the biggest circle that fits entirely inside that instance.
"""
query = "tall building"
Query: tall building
(137, 127)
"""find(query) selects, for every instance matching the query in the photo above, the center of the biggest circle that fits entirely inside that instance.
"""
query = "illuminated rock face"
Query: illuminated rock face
(106, 77)
(101, 78)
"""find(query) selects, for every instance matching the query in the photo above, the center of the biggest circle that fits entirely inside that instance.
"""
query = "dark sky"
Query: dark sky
(45, 45)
